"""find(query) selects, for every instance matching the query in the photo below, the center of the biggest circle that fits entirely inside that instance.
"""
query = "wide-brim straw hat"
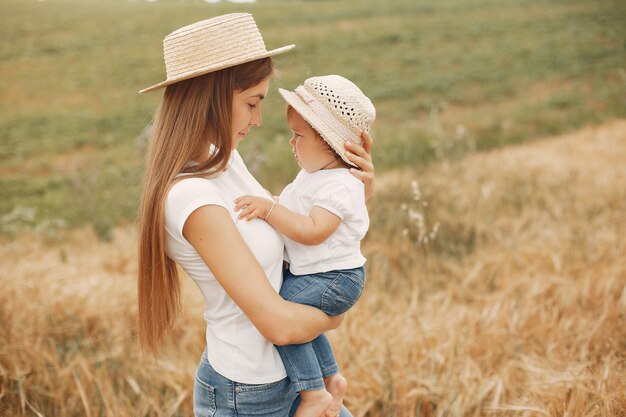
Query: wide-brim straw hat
(211, 45)
(335, 107)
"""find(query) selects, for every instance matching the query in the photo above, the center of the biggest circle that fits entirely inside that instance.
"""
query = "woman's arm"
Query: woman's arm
(311, 229)
(361, 156)
(212, 233)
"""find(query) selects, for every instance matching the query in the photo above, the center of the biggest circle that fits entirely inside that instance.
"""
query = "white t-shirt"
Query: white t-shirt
(339, 192)
(235, 348)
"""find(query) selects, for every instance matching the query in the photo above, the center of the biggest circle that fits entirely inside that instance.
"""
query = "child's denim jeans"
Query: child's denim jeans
(333, 292)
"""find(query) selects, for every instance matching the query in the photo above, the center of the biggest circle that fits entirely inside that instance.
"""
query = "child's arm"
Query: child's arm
(307, 230)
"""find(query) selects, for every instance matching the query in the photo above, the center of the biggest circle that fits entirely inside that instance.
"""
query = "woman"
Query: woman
(218, 73)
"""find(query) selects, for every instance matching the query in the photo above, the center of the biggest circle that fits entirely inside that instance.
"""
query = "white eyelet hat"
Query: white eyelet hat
(335, 107)
(211, 45)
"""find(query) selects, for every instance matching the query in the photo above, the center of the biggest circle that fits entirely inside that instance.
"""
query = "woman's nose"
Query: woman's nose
(292, 141)
(257, 119)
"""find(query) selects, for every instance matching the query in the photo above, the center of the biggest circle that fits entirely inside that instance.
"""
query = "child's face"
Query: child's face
(309, 149)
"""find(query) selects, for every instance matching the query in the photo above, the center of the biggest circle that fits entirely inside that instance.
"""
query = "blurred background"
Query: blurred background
(496, 267)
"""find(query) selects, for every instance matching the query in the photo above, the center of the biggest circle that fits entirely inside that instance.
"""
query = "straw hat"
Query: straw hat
(211, 45)
(335, 107)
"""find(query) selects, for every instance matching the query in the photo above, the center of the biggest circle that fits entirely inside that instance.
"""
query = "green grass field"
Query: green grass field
(448, 77)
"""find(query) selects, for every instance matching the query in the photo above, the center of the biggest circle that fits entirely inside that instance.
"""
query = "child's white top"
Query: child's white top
(339, 192)
(235, 348)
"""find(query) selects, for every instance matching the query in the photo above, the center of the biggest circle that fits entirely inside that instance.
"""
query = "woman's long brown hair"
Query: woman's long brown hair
(193, 114)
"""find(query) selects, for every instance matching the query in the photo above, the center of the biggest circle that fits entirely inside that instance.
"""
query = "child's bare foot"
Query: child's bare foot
(313, 403)
(336, 385)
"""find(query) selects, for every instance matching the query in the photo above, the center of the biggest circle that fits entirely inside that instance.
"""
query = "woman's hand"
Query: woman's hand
(361, 156)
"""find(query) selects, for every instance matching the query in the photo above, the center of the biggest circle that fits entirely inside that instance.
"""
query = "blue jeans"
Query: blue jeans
(333, 292)
(217, 396)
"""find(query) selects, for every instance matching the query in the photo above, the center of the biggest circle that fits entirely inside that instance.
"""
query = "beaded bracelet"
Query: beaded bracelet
(270, 212)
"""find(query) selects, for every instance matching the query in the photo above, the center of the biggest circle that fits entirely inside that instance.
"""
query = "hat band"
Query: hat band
(326, 115)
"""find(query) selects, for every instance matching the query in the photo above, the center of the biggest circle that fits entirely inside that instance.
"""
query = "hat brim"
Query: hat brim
(317, 123)
(217, 67)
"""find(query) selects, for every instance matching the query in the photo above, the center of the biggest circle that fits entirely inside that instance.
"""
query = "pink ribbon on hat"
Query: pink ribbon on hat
(327, 116)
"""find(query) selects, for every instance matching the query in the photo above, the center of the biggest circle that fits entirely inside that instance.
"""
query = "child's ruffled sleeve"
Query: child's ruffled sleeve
(336, 198)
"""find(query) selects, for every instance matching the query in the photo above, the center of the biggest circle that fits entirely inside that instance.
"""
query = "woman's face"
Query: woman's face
(309, 149)
(247, 110)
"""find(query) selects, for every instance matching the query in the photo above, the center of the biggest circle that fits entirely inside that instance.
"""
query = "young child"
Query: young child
(323, 216)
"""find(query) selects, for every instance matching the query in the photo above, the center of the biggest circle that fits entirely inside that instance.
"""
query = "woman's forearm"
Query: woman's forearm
(299, 323)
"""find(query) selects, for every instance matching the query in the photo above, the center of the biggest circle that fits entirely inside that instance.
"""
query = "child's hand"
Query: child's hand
(253, 207)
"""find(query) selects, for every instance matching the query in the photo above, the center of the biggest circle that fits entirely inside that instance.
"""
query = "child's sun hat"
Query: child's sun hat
(211, 45)
(335, 107)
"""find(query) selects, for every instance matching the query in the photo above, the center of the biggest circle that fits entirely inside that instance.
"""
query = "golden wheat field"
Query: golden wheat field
(496, 287)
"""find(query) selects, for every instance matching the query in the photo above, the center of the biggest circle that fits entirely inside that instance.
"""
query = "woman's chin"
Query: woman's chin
(238, 139)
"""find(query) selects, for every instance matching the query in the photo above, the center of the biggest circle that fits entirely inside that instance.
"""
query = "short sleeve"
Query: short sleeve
(335, 197)
(186, 196)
